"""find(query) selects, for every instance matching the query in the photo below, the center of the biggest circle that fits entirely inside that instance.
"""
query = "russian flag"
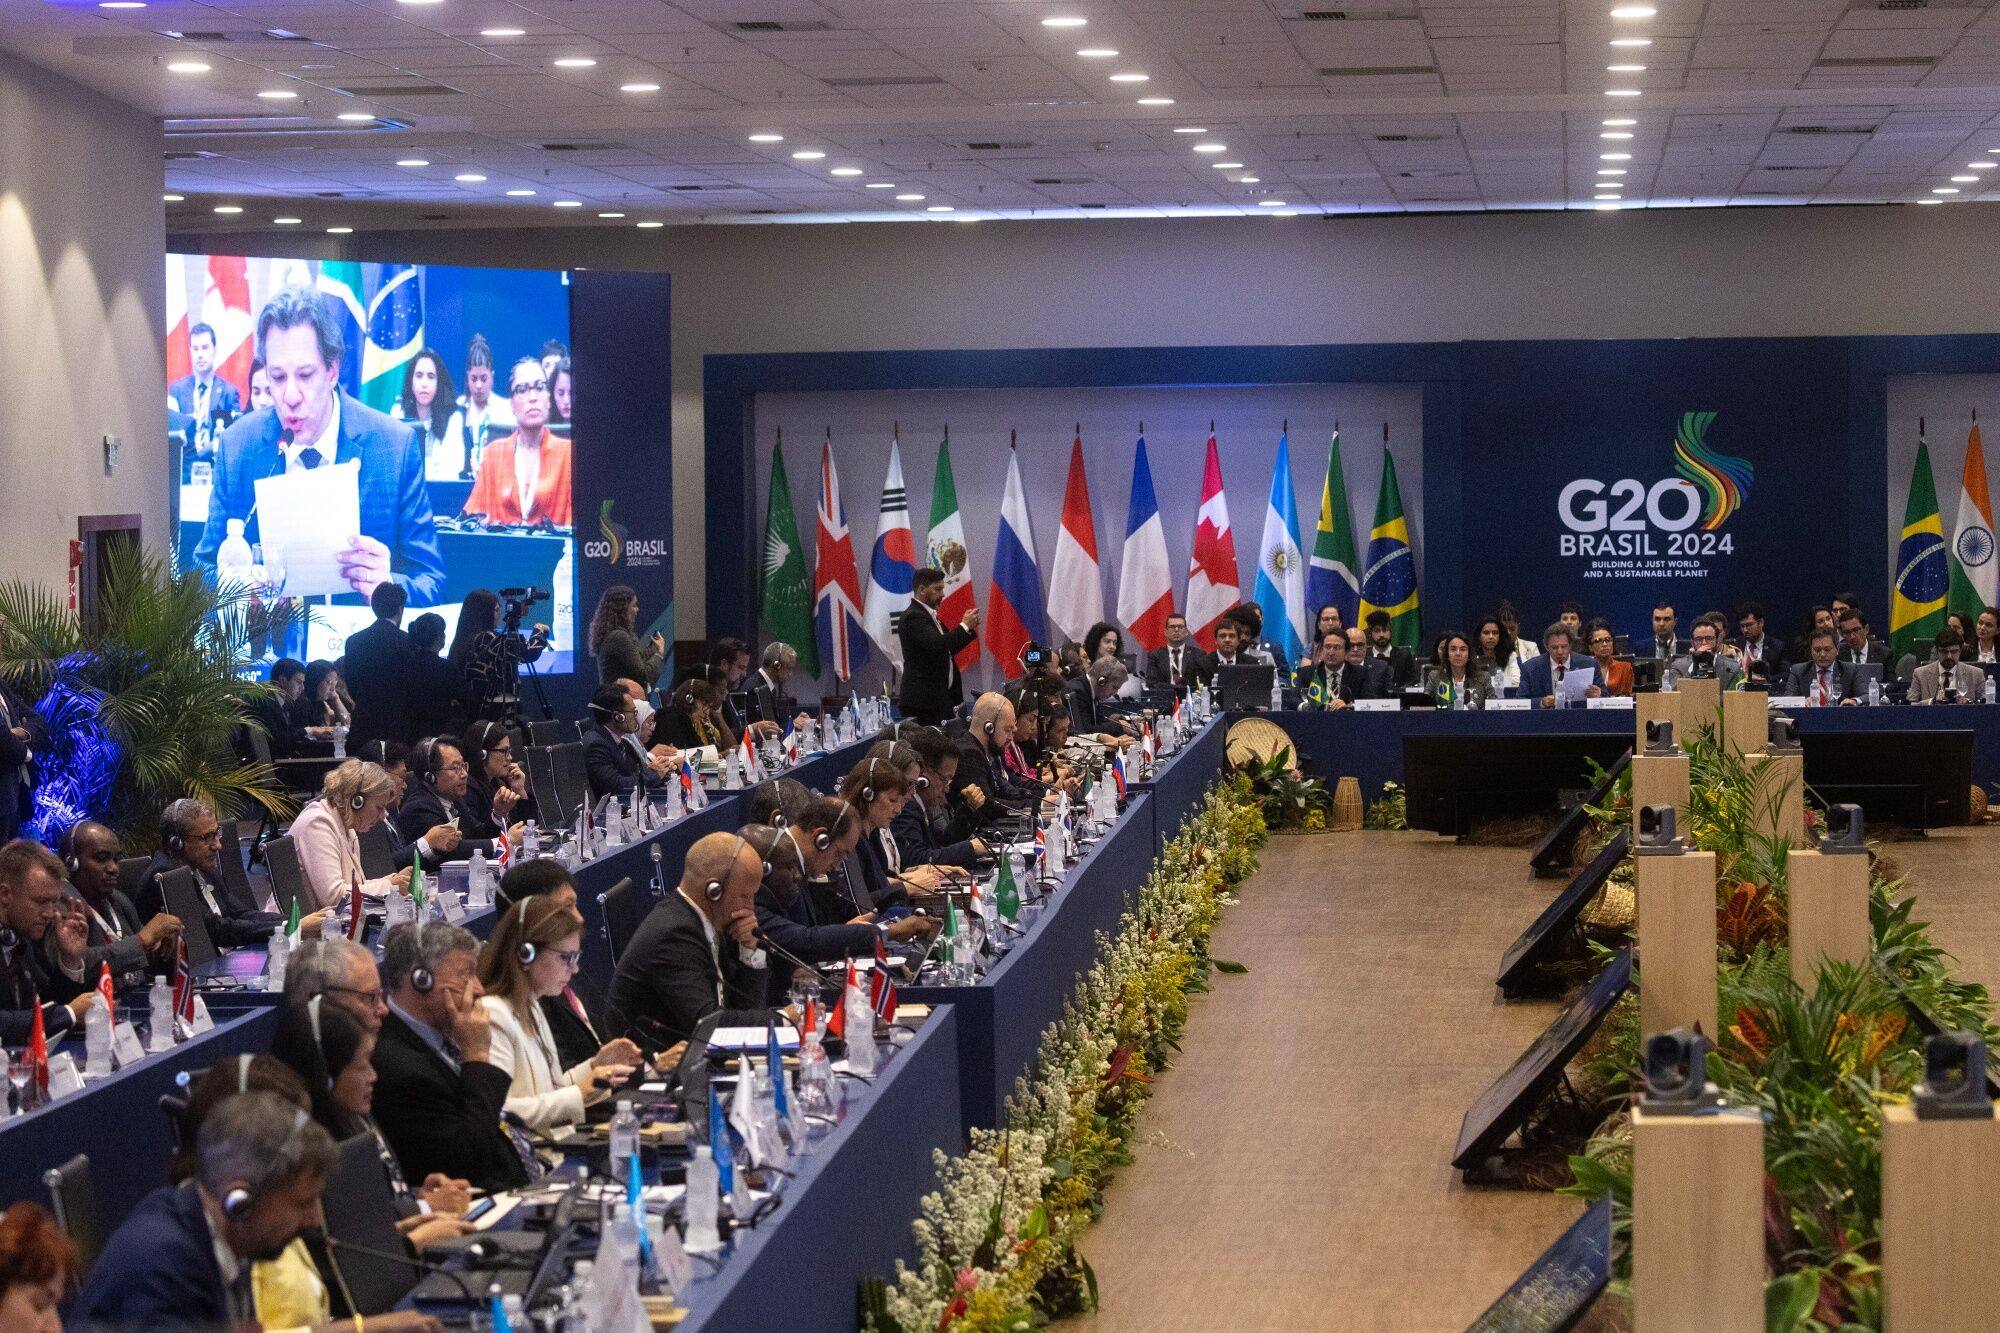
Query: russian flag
(892, 568)
(1076, 589)
(1014, 616)
(1145, 582)
(843, 645)
(1118, 774)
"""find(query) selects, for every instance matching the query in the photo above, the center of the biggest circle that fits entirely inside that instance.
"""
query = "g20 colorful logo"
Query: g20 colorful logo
(1621, 517)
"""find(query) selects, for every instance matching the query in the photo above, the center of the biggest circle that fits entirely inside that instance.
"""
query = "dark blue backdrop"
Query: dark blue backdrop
(1506, 426)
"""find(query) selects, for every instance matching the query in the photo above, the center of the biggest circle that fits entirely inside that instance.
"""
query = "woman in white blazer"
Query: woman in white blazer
(531, 954)
(328, 832)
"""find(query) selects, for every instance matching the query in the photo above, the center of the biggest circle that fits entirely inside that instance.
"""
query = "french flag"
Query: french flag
(1014, 613)
(1145, 582)
(843, 645)
(1076, 589)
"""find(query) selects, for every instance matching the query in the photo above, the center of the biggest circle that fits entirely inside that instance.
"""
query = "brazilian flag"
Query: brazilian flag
(1916, 603)
(1389, 573)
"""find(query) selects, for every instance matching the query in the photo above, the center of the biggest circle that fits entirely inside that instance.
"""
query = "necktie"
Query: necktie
(310, 458)
(1176, 675)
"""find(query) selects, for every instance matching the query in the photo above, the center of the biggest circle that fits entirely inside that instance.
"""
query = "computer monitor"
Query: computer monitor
(1245, 686)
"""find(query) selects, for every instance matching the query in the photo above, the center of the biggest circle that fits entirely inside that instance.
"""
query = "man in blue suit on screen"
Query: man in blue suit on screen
(312, 423)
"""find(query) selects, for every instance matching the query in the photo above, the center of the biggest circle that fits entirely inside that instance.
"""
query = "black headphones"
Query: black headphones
(527, 953)
(868, 792)
(778, 819)
(425, 757)
(826, 837)
(481, 739)
(241, 1198)
(421, 978)
(69, 848)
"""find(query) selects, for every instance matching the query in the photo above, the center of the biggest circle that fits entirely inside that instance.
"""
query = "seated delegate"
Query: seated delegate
(327, 833)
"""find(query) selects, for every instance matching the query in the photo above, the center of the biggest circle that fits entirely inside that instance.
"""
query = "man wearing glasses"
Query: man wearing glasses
(524, 477)
(190, 836)
(442, 776)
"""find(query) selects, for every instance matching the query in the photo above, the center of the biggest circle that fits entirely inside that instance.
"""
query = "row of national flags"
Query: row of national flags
(1934, 578)
(836, 622)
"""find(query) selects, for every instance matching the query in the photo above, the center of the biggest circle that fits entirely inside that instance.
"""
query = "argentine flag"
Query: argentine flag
(1281, 567)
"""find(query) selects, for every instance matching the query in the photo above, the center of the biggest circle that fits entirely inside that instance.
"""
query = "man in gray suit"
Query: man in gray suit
(1948, 680)
(1705, 657)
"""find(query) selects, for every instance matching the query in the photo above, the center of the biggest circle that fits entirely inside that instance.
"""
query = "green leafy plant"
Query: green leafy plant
(144, 700)
(1390, 810)
(1288, 798)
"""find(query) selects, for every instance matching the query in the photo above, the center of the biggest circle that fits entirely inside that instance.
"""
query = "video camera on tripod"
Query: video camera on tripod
(514, 603)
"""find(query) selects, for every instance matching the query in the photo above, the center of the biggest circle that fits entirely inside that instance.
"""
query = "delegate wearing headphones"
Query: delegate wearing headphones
(496, 793)
(696, 952)
(612, 761)
(191, 836)
(327, 836)
(439, 777)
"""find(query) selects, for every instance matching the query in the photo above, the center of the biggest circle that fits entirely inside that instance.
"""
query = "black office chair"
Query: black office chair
(540, 767)
(547, 731)
(624, 905)
(572, 783)
(288, 878)
(235, 874)
(73, 1197)
(378, 851)
(130, 870)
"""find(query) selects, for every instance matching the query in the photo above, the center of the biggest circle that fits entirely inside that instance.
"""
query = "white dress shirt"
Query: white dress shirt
(328, 442)
(542, 1093)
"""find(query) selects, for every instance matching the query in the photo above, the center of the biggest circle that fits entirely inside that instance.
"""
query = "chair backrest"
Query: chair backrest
(540, 766)
(546, 731)
(130, 870)
(583, 727)
(258, 744)
(624, 906)
(235, 874)
(73, 1197)
(360, 1209)
(184, 900)
(1906, 667)
(572, 783)
(288, 877)
(378, 851)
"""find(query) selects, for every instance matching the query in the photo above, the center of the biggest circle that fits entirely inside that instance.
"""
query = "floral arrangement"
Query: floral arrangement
(997, 1242)
(1390, 810)
(1820, 1066)
(1290, 800)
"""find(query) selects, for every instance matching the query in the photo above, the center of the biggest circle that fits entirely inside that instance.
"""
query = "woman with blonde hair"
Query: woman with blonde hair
(532, 954)
(327, 834)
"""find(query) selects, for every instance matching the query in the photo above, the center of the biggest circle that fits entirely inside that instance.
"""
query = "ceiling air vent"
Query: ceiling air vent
(1875, 62)
(1090, 205)
(1409, 138)
(398, 90)
(685, 189)
(1829, 129)
(775, 25)
(179, 156)
(1061, 180)
(579, 147)
(886, 81)
(1367, 71)
(999, 146)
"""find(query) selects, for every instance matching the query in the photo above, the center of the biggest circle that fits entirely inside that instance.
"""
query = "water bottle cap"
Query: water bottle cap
(624, 1106)
(702, 1150)
(235, 527)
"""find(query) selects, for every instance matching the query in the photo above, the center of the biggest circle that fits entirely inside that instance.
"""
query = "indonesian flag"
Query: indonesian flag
(225, 307)
(1145, 580)
(1148, 745)
(809, 1023)
(38, 1049)
(177, 319)
(107, 989)
(751, 771)
(1212, 585)
(1076, 589)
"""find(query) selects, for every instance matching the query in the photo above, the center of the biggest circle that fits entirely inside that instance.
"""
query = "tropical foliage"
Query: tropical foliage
(997, 1243)
(142, 702)
(1288, 798)
(1820, 1066)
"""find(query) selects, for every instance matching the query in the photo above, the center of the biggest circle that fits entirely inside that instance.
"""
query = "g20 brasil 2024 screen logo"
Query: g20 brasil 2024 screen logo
(620, 547)
(1623, 517)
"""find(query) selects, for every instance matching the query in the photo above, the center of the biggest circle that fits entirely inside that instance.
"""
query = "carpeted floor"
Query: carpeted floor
(1952, 874)
(1293, 1170)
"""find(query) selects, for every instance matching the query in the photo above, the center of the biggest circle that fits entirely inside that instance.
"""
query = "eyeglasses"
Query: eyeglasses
(458, 766)
(371, 998)
(570, 957)
(531, 386)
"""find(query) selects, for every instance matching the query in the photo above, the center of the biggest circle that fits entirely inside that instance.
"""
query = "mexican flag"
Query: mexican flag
(787, 592)
(946, 551)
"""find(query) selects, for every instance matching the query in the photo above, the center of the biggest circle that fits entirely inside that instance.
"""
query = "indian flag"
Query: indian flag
(1975, 573)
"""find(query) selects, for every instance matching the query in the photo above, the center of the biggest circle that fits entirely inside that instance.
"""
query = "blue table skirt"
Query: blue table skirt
(1180, 779)
(1000, 1020)
(846, 1215)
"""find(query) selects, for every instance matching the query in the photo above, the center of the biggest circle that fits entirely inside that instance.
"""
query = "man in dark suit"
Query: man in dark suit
(183, 1258)
(191, 836)
(115, 933)
(1755, 645)
(1402, 662)
(982, 783)
(378, 671)
(696, 953)
(611, 760)
(434, 701)
(1664, 645)
(1857, 645)
(1181, 664)
(768, 700)
(439, 776)
(1557, 662)
(438, 1096)
(310, 424)
(930, 829)
(932, 689)
(202, 396)
(1823, 679)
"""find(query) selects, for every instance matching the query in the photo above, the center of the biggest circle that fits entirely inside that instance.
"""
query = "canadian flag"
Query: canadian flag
(177, 319)
(1212, 587)
(225, 307)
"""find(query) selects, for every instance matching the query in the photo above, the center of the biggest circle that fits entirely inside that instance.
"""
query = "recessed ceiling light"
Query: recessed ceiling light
(881, 185)
(1930, 201)
(1634, 12)
(1965, 180)
(939, 208)
(1064, 21)
(611, 215)
(845, 171)
(520, 194)
(1606, 196)
(1631, 41)
(356, 117)
(1129, 77)
(1227, 166)
(1620, 120)
(1615, 134)
(1156, 101)
(638, 87)
(172, 198)
(419, 2)
(1098, 52)
(767, 138)
(1211, 148)
(339, 231)
(1270, 203)
(1611, 171)
(1190, 129)
(1625, 69)
(1982, 166)
(121, 4)
(1248, 180)
(278, 95)
(908, 198)
(1621, 92)
(503, 32)
(188, 67)
(236, 208)
(468, 177)
(807, 155)
(569, 203)
(1608, 208)
(413, 161)
(285, 222)
(574, 62)
(1614, 157)
(649, 225)
(1942, 189)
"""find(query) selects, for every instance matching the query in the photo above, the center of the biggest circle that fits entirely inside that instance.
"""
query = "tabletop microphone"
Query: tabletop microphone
(782, 952)
(333, 1242)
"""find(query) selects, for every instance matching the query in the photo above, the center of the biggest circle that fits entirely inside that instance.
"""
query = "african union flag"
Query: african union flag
(1916, 603)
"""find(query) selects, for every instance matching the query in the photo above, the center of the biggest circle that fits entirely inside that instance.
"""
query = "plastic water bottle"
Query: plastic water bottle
(624, 1140)
(97, 1039)
(1992, 690)
(517, 1314)
(531, 840)
(478, 890)
(1667, 679)
(1874, 690)
(340, 742)
(234, 560)
(160, 1011)
(573, 1313)
(703, 1202)
(277, 954)
(1277, 694)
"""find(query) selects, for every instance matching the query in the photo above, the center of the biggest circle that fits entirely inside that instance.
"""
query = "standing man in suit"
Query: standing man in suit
(115, 935)
(310, 424)
(1822, 679)
(932, 689)
(438, 1097)
(1540, 675)
(1755, 645)
(1664, 646)
(202, 394)
(1857, 646)
(379, 670)
(696, 953)
(1949, 679)
(1181, 664)
(1402, 662)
